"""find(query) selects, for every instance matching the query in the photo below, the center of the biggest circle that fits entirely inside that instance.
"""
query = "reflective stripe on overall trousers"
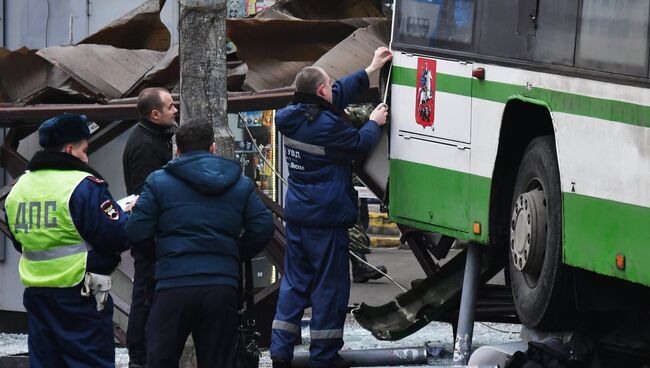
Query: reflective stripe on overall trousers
(316, 265)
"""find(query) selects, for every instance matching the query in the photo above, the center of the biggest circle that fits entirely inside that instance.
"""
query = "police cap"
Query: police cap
(62, 129)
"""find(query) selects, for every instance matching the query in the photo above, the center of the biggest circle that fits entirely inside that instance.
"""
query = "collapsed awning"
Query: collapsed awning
(141, 28)
(16, 115)
(107, 72)
(133, 53)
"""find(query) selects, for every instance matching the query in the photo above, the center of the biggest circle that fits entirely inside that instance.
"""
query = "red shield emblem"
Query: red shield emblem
(425, 92)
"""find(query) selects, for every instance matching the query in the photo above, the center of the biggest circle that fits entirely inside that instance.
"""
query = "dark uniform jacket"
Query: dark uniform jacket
(148, 149)
(320, 148)
(206, 218)
(96, 223)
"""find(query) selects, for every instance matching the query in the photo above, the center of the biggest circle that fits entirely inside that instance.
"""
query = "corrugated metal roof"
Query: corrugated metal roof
(23, 73)
(141, 28)
(356, 51)
(104, 70)
(331, 9)
(274, 45)
(286, 39)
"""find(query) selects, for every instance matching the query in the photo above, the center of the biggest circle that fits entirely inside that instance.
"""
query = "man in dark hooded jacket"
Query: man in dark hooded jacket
(320, 206)
(206, 219)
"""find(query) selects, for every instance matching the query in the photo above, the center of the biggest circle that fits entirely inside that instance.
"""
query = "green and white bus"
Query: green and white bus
(526, 124)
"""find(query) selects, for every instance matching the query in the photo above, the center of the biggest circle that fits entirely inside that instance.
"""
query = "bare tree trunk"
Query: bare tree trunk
(203, 91)
(203, 68)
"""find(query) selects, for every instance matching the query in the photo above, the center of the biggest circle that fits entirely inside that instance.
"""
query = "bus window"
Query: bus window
(613, 36)
(435, 23)
(509, 31)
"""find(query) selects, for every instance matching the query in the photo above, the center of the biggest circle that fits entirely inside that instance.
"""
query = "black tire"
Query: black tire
(543, 289)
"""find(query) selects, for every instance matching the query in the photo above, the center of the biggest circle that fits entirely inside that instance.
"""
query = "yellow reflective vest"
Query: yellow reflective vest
(38, 213)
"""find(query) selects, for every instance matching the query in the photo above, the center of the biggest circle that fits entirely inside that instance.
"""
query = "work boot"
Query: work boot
(361, 272)
(279, 363)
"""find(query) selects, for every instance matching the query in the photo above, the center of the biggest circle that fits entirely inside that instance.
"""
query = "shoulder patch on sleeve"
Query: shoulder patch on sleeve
(95, 179)
(109, 210)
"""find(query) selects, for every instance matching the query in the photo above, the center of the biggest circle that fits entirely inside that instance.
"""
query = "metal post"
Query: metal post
(387, 357)
(3, 239)
(2, 23)
(463, 343)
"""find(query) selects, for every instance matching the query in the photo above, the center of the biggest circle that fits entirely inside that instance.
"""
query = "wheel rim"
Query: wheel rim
(528, 233)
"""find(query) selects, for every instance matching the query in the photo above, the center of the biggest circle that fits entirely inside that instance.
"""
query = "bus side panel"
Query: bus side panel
(603, 146)
(427, 194)
(602, 133)
(486, 126)
(431, 184)
(606, 191)
(597, 230)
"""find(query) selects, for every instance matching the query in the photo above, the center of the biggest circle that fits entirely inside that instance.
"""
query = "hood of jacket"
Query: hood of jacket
(305, 107)
(205, 172)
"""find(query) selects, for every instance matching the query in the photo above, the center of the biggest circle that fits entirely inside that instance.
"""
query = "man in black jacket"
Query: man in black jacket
(147, 150)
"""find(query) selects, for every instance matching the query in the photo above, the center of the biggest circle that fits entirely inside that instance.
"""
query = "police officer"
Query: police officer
(320, 206)
(70, 233)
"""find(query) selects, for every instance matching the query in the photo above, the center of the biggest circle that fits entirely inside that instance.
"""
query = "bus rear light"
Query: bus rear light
(477, 228)
(620, 261)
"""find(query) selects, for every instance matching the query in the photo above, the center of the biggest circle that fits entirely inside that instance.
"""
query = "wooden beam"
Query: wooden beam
(126, 109)
(12, 161)
(35, 115)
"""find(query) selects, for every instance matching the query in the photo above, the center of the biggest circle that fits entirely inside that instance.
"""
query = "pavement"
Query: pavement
(402, 267)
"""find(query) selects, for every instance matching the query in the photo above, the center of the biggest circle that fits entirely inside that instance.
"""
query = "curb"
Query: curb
(382, 232)
(379, 224)
(380, 241)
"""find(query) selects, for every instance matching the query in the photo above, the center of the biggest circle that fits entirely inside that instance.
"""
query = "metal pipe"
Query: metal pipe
(463, 343)
(14, 361)
(402, 287)
(457, 366)
(372, 357)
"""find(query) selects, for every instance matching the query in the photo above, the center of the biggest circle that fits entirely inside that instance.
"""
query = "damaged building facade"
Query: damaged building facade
(93, 57)
(29, 78)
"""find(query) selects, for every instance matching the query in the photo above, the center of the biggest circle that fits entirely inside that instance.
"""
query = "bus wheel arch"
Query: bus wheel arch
(522, 121)
(526, 126)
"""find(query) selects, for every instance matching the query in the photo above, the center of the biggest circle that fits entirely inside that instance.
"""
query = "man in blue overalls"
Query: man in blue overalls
(320, 206)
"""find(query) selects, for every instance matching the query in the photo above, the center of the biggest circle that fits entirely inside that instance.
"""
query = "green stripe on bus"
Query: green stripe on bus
(596, 230)
(444, 82)
(613, 110)
(436, 199)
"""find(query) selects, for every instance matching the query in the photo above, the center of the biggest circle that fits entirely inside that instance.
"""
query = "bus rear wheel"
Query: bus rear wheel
(541, 283)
